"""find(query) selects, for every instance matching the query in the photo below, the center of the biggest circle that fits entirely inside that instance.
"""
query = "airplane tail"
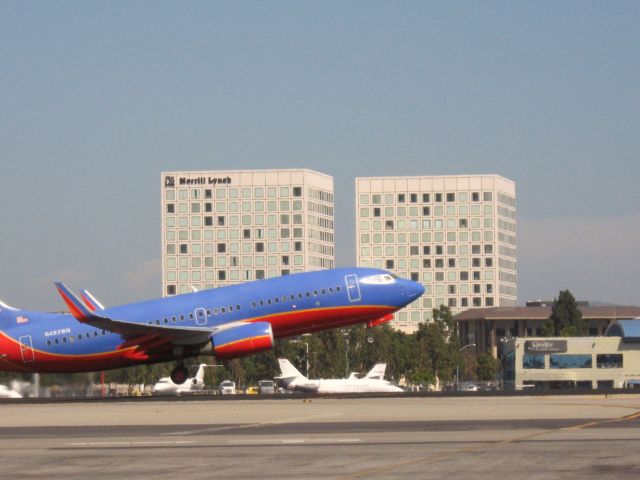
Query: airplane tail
(377, 372)
(289, 372)
(200, 373)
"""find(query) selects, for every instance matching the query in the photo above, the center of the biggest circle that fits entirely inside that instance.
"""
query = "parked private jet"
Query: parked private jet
(374, 381)
(165, 385)
(226, 322)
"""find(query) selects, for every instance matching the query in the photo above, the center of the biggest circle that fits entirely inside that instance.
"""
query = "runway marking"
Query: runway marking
(294, 441)
(158, 443)
(249, 425)
(475, 448)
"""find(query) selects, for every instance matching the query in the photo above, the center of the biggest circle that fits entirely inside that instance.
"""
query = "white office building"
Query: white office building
(225, 227)
(455, 234)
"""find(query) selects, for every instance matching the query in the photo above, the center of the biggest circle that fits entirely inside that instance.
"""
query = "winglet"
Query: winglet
(90, 301)
(76, 307)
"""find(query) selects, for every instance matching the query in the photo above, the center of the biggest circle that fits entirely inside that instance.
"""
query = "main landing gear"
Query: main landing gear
(179, 374)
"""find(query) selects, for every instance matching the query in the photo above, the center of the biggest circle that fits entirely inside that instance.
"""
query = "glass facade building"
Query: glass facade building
(225, 227)
(455, 234)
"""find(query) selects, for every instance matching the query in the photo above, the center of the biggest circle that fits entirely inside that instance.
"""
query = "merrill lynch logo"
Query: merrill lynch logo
(170, 181)
(545, 346)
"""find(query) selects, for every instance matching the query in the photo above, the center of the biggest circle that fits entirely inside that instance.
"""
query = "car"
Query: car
(266, 387)
(251, 390)
(469, 387)
(227, 387)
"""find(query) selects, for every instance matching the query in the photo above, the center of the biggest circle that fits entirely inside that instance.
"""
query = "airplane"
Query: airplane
(226, 322)
(165, 385)
(374, 381)
(6, 392)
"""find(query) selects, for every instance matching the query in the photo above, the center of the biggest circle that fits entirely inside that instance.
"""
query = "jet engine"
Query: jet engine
(241, 340)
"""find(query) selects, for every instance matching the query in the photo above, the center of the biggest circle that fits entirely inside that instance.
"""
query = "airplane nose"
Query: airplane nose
(414, 289)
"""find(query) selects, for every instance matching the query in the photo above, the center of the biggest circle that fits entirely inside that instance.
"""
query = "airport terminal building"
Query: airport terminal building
(610, 361)
(229, 226)
(455, 234)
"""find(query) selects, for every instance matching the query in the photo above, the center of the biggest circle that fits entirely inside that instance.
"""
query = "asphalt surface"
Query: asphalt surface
(520, 437)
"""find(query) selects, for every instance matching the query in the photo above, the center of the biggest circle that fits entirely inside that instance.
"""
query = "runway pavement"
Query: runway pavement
(518, 437)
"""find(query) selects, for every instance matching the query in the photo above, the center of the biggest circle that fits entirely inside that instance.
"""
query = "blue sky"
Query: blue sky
(99, 97)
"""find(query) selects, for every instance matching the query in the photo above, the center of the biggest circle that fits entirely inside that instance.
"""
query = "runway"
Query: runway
(522, 437)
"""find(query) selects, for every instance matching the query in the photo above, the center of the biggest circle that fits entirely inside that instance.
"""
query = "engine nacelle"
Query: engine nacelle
(245, 339)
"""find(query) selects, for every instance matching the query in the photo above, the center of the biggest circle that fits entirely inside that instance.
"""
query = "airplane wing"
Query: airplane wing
(129, 330)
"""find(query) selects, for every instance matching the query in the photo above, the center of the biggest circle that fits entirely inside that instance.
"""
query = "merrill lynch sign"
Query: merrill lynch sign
(170, 181)
(545, 346)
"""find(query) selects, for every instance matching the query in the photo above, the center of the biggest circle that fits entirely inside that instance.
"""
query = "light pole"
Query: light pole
(346, 334)
(306, 350)
(458, 366)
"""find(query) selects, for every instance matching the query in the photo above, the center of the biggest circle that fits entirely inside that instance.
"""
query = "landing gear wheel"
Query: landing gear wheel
(179, 374)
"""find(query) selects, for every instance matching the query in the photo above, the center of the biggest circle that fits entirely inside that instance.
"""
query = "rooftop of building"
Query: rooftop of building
(543, 312)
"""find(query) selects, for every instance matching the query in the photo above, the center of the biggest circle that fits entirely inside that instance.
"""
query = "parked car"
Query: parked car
(266, 387)
(253, 390)
(227, 387)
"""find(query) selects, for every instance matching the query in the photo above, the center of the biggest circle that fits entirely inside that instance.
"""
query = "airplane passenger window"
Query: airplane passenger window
(223, 310)
(337, 289)
(253, 304)
(330, 289)
(56, 341)
(48, 342)
(95, 334)
(237, 307)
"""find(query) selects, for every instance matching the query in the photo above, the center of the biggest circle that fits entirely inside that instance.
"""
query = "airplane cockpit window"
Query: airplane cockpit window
(382, 279)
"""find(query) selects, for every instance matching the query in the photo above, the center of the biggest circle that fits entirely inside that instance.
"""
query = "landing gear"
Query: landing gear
(179, 374)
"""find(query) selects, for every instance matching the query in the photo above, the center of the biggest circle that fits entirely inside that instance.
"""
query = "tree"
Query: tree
(566, 319)
(487, 367)
(438, 345)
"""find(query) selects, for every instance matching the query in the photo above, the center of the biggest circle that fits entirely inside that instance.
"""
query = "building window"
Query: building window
(487, 196)
(376, 212)
(612, 360)
(464, 302)
(221, 247)
(184, 248)
(532, 361)
(413, 198)
(570, 361)
(389, 263)
(475, 196)
(451, 197)
(415, 276)
(259, 274)
(171, 289)
(260, 247)
(297, 191)
(221, 221)
(222, 275)
(388, 225)
(426, 211)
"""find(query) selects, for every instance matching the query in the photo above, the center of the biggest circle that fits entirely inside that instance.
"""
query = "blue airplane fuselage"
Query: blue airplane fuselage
(284, 306)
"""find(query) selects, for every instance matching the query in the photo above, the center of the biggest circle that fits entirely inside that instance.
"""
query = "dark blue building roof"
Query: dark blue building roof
(629, 330)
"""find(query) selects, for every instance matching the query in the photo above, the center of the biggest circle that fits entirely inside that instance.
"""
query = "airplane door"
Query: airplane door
(353, 288)
(26, 348)
(201, 316)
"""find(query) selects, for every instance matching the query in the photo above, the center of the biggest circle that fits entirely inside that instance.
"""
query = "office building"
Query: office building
(455, 234)
(224, 227)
